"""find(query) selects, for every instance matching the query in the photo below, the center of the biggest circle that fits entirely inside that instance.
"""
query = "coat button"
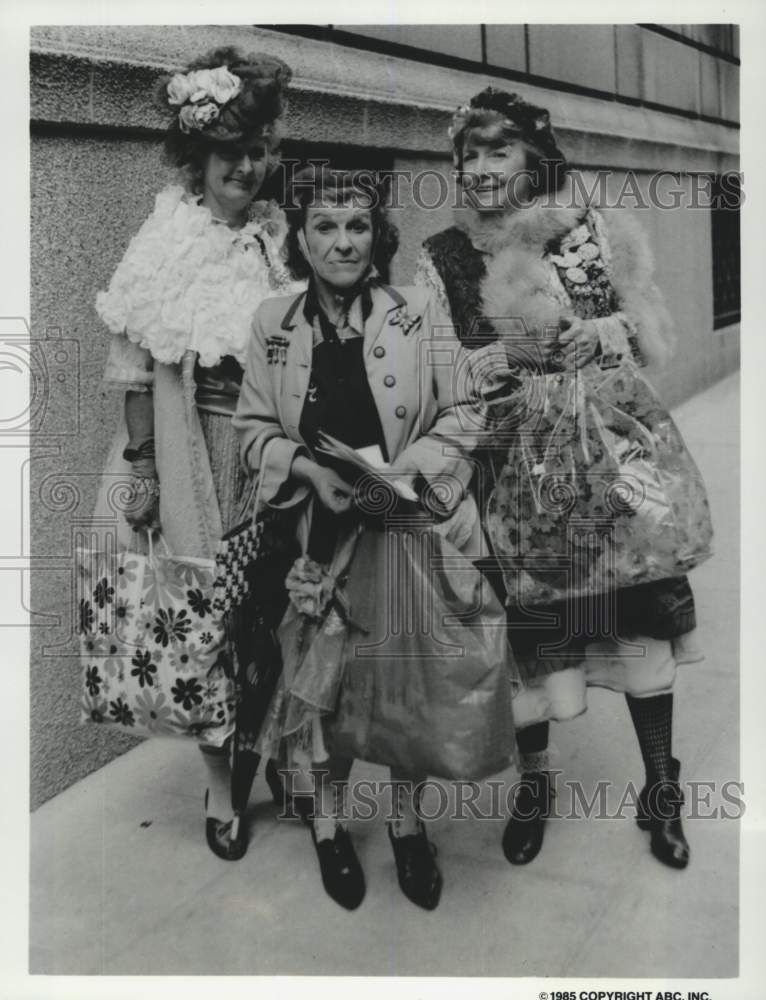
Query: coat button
(389, 381)
(379, 352)
(401, 412)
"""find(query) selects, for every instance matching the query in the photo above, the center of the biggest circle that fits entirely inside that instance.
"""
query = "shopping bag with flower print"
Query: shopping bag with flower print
(154, 658)
(597, 492)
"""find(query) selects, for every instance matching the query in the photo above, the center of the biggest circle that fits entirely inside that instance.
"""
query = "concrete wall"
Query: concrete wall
(96, 166)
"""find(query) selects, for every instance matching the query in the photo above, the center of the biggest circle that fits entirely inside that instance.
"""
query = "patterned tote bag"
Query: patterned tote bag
(155, 660)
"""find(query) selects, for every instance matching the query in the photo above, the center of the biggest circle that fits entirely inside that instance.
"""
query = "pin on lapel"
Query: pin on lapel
(400, 317)
(276, 350)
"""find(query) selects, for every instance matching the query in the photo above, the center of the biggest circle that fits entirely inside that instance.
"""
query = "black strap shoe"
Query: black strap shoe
(524, 831)
(342, 875)
(226, 839)
(659, 812)
(419, 877)
(300, 805)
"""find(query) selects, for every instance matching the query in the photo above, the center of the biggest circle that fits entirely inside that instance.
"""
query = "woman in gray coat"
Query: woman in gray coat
(356, 359)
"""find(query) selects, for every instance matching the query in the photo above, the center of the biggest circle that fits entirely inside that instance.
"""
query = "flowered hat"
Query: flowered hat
(520, 118)
(227, 97)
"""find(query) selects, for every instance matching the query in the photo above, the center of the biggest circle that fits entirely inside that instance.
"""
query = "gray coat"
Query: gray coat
(418, 374)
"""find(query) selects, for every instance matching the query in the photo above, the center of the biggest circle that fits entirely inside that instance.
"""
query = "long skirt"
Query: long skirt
(629, 642)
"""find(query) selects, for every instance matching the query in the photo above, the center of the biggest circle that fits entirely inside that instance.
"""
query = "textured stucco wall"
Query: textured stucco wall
(88, 198)
(96, 166)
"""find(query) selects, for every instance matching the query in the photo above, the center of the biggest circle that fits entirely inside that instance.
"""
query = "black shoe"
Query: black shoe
(419, 878)
(342, 875)
(226, 839)
(300, 805)
(524, 832)
(659, 811)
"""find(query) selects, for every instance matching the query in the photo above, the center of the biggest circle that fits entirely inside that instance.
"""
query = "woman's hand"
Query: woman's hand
(578, 342)
(332, 491)
(402, 473)
(143, 507)
(536, 357)
(143, 510)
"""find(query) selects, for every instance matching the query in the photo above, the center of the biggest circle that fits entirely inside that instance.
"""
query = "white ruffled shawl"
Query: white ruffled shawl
(189, 282)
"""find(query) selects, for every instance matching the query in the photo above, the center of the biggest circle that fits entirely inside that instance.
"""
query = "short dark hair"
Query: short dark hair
(316, 182)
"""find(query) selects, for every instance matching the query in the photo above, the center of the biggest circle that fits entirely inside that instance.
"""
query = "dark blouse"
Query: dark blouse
(339, 402)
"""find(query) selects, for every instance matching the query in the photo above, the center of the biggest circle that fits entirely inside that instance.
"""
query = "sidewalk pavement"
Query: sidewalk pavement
(123, 883)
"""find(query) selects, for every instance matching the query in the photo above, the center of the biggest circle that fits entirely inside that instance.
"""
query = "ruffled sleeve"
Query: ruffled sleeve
(128, 366)
(189, 282)
(134, 296)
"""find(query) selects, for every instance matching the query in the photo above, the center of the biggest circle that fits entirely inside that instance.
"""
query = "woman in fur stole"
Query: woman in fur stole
(592, 505)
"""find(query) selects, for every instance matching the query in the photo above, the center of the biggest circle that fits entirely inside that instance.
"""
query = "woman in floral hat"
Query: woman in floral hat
(593, 507)
(179, 306)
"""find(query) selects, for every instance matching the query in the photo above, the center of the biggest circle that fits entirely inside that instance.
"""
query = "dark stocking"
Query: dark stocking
(533, 747)
(653, 722)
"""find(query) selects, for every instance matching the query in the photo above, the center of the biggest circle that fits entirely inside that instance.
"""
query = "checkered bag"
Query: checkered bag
(237, 553)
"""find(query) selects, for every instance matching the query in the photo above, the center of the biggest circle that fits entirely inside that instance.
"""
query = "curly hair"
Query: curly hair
(256, 113)
(315, 183)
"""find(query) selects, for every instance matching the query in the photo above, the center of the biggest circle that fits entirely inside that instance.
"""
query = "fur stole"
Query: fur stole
(520, 284)
(631, 269)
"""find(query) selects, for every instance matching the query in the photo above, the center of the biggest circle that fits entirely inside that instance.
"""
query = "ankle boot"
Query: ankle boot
(523, 835)
(659, 812)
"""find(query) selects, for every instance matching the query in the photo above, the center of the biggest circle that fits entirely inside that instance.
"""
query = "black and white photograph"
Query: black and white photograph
(378, 536)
